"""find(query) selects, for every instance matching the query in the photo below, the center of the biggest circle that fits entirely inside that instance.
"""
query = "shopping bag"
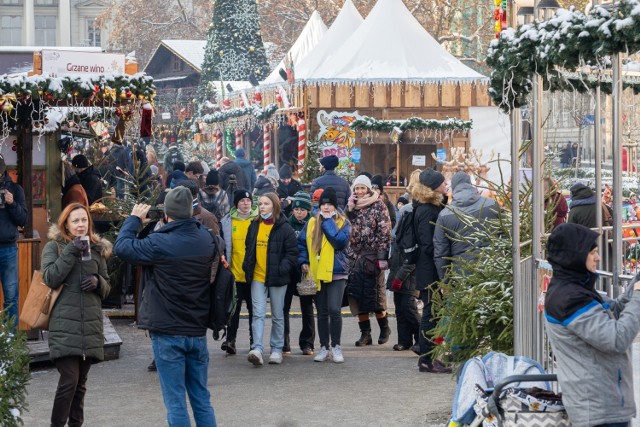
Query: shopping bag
(36, 309)
(307, 286)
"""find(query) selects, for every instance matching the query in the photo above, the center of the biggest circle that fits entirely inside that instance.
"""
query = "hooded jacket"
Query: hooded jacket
(583, 206)
(337, 237)
(91, 182)
(249, 172)
(264, 185)
(466, 201)
(75, 325)
(11, 216)
(225, 228)
(224, 173)
(591, 335)
(282, 253)
(427, 204)
(330, 179)
(177, 260)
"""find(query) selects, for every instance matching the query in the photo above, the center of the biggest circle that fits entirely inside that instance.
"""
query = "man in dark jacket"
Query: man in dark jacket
(13, 214)
(174, 306)
(287, 188)
(466, 202)
(227, 171)
(247, 167)
(330, 179)
(583, 206)
(591, 334)
(89, 177)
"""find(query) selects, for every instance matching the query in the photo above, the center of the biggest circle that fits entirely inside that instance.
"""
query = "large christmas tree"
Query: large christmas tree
(234, 45)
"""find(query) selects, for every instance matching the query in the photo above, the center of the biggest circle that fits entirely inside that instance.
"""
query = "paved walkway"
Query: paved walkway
(376, 386)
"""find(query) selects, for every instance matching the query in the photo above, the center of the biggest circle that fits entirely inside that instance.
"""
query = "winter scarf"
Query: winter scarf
(368, 200)
(321, 265)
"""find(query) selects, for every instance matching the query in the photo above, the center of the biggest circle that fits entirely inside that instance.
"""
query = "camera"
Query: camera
(155, 214)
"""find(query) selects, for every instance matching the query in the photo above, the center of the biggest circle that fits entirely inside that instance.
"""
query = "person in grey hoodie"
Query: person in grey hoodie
(591, 335)
(447, 245)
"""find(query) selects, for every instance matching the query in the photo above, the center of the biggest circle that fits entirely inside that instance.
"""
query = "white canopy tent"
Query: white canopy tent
(390, 46)
(345, 24)
(311, 34)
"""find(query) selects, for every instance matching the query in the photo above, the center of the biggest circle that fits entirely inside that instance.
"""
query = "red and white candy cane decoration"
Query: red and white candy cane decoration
(218, 139)
(267, 146)
(238, 138)
(302, 140)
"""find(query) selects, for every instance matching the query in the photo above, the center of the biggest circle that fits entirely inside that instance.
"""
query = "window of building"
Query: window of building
(177, 64)
(46, 2)
(45, 30)
(93, 33)
(11, 2)
(11, 30)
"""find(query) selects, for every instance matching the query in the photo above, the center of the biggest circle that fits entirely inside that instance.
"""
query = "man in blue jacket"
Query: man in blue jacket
(174, 306)
(13, 214)
(330, 179)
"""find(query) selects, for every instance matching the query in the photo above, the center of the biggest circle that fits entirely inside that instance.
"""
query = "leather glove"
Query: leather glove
(89, 283)
(382, 264)
(396, 285)
(81, 245)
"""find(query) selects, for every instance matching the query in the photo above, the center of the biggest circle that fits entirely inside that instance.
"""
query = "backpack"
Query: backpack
(406, 238)
(215, 205)
(222, 301)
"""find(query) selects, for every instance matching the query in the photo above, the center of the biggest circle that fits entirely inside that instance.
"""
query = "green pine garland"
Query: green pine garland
(258, 113)
(568, 42)
(14, 374)
(413, 123)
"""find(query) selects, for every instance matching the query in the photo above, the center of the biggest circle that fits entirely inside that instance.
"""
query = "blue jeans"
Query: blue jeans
(183, 364)
(9, 278)
(259, 300)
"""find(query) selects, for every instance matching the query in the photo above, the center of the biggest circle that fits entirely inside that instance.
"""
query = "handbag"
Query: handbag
(40, 300)
(307, 286)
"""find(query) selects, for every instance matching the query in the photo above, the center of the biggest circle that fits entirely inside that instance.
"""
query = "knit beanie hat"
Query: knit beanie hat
(212, 178)
(329, 196)
(460, 178)
(302, 200)
(178, 204)
(239, 195)
(80, 161)
(403, 200)
(431, 178)
(377, 182)
(239, 153)
(365, 173)
(285, 172)
(330, 162)
(272, 172)
(316, 195)
(361, 180)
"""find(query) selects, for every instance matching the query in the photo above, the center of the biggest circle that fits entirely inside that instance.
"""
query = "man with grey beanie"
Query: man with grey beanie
(174, 306)
(468, 204)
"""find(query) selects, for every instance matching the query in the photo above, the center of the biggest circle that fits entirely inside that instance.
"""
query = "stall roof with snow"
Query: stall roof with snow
(311, 34)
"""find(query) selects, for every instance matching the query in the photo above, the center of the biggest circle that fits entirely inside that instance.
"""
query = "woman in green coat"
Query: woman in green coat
(75, 327)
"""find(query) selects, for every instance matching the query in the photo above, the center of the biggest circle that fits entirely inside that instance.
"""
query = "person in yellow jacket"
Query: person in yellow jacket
(322, 243)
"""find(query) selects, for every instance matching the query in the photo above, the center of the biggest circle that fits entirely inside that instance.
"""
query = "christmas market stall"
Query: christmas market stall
(69, 96)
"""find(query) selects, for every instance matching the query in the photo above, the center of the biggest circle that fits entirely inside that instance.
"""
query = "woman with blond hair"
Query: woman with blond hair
(322, 245)
(271, 253)
(76, 258)
(427, 195)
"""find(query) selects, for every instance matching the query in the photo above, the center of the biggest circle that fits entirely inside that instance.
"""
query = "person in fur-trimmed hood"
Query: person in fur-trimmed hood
(75, 327)
(368, 252)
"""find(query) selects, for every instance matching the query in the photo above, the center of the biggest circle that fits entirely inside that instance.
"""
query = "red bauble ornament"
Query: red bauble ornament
(129, 94)
(279, 98)
(258, 97)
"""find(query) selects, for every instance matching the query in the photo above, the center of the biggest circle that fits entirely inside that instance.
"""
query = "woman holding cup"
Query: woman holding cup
(75, 257)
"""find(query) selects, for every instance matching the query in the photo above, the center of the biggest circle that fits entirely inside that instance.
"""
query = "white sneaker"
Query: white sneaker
(255, 357)
(336, 354)
(322, 355)
(275, 358)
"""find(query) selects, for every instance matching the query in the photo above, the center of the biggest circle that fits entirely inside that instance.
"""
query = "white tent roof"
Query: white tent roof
(311, 34)
(345, 24)
(391, 45)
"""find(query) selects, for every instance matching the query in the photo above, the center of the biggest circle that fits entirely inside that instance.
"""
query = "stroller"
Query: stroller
(483, 399)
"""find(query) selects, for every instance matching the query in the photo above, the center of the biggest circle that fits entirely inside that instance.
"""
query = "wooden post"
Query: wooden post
(27, 185)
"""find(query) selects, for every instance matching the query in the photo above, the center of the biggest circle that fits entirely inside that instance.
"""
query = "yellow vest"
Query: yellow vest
(321, 265)
(260, 272)
(239, 229)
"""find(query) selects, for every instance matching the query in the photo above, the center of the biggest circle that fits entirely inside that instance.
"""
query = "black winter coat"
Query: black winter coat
(90, 179)
(224, 173)
(177, 261)
(426, 215)
(330, 179)
(282, 253)
(12, 216)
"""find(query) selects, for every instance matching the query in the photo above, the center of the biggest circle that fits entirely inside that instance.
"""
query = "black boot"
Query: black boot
(231, 347)
(365, 338)
(385, 330)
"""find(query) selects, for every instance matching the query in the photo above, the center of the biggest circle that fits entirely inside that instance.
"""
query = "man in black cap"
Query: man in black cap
(330, 179)
(89, 177)
(13, 214)
(287, 188)
(174, 307)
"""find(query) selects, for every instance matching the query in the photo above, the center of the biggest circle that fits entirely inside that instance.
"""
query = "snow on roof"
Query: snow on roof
(192, 51)
(390, 46)
(345, 24)
(309, 37)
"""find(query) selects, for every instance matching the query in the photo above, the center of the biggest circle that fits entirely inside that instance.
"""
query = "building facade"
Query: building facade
(51, 23)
